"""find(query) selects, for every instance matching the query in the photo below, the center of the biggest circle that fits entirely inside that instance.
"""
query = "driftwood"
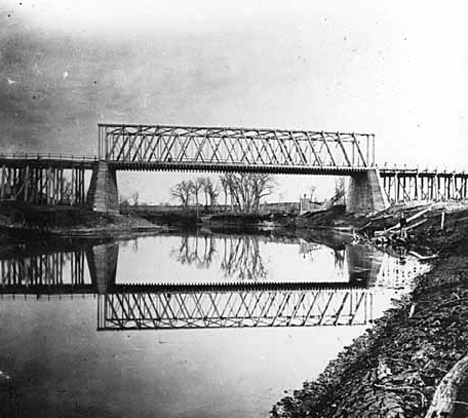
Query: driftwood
(445, 397)
(423, 257)
(410, 219)
(417, 215)
(393, 230)
(416, 224)
(442, 221)
(372, 221)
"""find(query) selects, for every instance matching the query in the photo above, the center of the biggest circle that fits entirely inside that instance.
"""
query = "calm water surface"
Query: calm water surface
(182, 325)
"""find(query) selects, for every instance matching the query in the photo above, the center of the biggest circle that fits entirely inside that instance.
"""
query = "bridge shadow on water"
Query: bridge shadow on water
(244, 297)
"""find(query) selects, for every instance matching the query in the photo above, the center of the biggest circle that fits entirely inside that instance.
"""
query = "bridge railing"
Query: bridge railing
(48, 156)
(133, 144)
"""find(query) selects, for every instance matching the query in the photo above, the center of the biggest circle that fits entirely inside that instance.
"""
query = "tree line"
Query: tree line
(238, 192)
(242, 191)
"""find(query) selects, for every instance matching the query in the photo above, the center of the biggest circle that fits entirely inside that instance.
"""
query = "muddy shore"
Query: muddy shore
(394, 369)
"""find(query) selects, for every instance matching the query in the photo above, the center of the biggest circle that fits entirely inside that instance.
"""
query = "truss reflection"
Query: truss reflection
(141, 306)
(234, 309)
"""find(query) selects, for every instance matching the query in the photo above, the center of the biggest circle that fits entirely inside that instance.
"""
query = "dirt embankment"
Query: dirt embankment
(23, 221)
(394, 369)
(18, 221)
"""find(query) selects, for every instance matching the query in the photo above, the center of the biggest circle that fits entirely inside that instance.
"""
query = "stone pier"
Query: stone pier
(366, 193)
(103, 195)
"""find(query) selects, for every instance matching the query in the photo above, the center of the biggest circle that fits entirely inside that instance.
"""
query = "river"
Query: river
(182, 324)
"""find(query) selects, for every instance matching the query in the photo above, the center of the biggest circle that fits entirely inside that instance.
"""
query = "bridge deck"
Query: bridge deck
(238, 168)
(82, 288)
(396, 171)
(48, 160)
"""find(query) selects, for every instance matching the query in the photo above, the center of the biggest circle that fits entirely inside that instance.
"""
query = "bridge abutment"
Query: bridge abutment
(103, 195)
(366, 193)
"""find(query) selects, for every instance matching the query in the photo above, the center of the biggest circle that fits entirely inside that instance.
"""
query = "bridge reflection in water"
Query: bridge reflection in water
(234, 308)
(62, 271)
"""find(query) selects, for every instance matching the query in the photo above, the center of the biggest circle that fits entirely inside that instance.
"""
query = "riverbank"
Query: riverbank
(180, 218)
(21, 221)
(393, 370)
(30, 220)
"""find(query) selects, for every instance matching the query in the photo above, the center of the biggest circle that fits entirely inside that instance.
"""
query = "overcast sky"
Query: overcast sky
(394, 68)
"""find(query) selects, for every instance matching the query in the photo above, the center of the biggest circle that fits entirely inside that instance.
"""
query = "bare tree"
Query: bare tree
(182, 191)
(187, 190)
(225, 186)
(235, 189)
(204, 181)
(262, 185)
(212, 189)
(247, 189)
(229, 187)
(195, 187)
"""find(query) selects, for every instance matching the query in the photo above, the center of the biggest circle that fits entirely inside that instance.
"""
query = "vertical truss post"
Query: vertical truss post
(373, 150)
(368, 149)
(396, 186)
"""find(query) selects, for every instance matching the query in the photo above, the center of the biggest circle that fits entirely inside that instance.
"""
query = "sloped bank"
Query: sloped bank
(22, 221)
(394, 369)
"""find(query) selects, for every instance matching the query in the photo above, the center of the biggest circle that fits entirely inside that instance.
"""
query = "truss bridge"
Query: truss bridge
(92, 181)
(234, 149)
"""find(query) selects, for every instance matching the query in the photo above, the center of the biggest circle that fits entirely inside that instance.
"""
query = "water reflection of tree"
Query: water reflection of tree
(242, 259)
(195, 250)
(339, 256)
(310, 248)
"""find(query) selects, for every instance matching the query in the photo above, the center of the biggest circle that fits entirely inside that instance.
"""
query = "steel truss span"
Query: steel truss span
(160, 147)
(234, 309)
